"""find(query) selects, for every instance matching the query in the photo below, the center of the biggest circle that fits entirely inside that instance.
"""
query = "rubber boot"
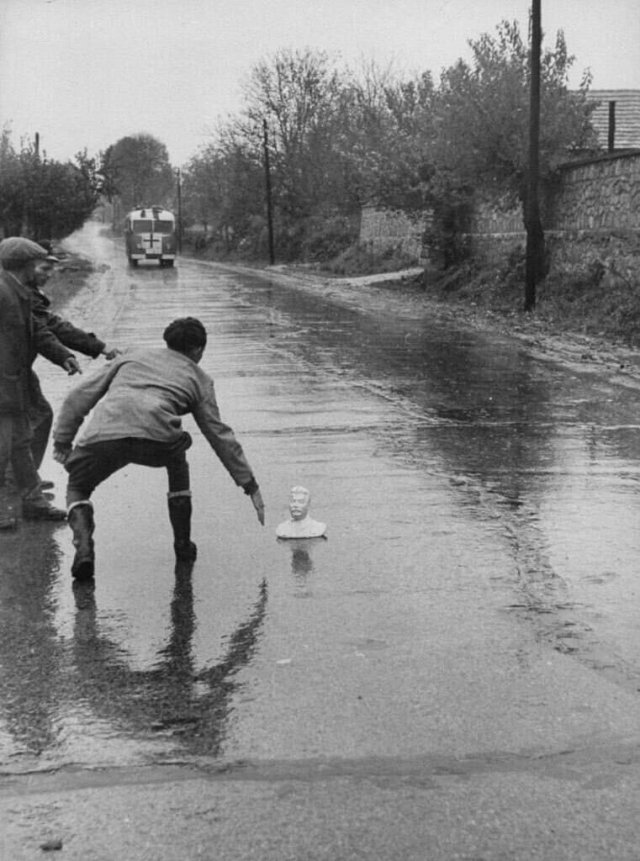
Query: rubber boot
(180, 517)
(80, 517)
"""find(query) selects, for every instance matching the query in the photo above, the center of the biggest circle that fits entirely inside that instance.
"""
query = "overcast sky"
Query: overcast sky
(84, 73)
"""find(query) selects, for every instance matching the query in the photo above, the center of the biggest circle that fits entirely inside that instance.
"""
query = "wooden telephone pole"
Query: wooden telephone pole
(535, 234)
(179, 185)
(267, 177)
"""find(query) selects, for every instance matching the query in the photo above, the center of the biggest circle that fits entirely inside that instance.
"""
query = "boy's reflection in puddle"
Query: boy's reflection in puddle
(171, 698)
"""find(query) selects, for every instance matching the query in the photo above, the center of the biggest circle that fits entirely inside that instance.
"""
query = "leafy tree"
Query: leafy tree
(136, 171)
(482, 141)
(387, 135)
(297, 93)
(335, 140)
(41, 197)
(72, 194)
(11, 187)
(224, 190)
(340, 138)
(482, 113)
(199, 186)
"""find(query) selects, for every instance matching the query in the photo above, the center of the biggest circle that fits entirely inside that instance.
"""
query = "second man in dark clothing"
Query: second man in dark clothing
(22, 337)
(40, 411)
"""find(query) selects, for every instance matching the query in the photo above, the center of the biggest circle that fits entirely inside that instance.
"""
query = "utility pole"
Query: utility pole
(267, 177)
(611, 137)
(179, 178)
(535, 235)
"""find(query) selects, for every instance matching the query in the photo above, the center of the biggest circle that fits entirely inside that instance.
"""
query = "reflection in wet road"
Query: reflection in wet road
(480, 567)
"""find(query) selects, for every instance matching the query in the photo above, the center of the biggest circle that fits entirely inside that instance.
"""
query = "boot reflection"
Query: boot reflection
(169, 697)
(183, 570)
(84, 594)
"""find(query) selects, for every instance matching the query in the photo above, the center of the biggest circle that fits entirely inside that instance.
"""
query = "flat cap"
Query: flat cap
(21, 250)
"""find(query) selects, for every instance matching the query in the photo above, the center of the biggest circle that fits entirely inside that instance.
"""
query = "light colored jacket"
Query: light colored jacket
(143, 394)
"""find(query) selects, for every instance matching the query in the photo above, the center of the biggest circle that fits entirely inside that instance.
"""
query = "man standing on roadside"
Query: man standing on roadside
(22, 337)
(40, 411)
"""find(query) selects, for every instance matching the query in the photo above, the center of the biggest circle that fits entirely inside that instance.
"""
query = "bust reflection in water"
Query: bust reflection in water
(300, 525)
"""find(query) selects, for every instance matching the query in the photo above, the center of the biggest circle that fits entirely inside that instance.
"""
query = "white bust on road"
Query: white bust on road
(300, 524)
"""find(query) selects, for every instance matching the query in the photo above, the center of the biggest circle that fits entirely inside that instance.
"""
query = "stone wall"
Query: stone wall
(591, 217)
(497, 230)
(603, 194)
(393, 229)
(614, 255)
(497, 218)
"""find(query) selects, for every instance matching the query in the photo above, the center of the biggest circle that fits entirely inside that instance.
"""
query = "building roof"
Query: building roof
(627, 117)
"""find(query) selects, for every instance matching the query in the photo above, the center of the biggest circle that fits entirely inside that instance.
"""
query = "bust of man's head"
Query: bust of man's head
(300, 524)
(299, 501)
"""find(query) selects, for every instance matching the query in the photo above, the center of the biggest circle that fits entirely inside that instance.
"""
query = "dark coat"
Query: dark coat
(22, 337)
(65, 332)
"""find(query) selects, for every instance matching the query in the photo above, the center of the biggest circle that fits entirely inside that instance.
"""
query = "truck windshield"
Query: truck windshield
(142, 226)
(163, 226)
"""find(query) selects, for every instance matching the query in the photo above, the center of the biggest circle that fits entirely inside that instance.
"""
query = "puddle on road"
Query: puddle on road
(552, 456)
(476, 500)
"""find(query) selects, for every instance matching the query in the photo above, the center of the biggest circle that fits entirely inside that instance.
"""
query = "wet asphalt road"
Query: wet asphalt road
(476, 598)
